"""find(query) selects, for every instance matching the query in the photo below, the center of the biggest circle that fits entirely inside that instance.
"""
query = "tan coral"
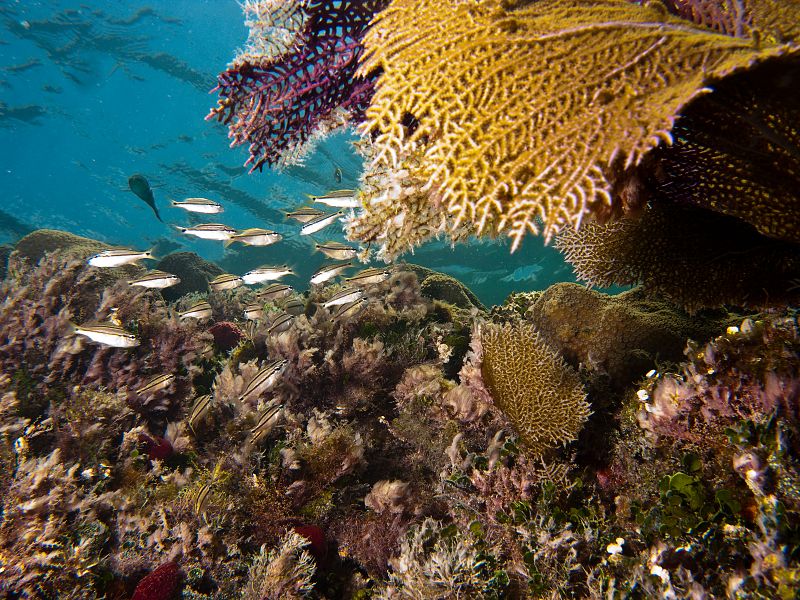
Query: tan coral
(539, 393)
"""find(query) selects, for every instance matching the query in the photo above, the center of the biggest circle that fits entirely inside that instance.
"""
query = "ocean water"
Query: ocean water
(93, 92)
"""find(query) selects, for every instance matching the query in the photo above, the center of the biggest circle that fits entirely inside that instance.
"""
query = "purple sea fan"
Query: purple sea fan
(284, 91)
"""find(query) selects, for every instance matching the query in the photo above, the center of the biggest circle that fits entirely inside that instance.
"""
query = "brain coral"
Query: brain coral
(510, 118)
(534, 387)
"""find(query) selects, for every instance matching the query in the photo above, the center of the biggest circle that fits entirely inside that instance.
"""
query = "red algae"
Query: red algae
(161, 584)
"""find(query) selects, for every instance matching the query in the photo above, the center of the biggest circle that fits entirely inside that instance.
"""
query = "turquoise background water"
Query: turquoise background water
(93, 92)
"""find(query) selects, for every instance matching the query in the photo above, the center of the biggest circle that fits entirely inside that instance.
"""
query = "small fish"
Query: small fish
(346, 296)
(337, 250)
(338, 199)
(350, 310)
(337, 175)
(254, 312)
(328, 272)
(281, 323)
(304, 214)
(368, 276)
(199, 410)
(156, 280)
(156, 384)
(295, 306)
(226, 281)
(265, 379)
(320, 223)
(108, 335)
(201, 310)
(274, 291)
(266, 420)
(255, 237)
(201, 499)
(118, 257)
(141, 187)
(262, 274)
(209, 231)
(199, 205)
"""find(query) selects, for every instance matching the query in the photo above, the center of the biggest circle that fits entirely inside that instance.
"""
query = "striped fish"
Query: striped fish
(346, 296)
(201, 500)
(281, 323)
(262, 274)
(350, 310)
(305, 214)
(199, 410)
(320, 223)
(118, 257)
(156, 384)
(226, 281)
(265, 379)
(209, 231)
(255, 237)
(337, 250)
(254, 311)
(156, 280)
(201, 310)
(106, 334)
(368, 276)
(274, 291)
(328, 272)
(266, 421)
(294, 306)
(338, 199)
(199, 205)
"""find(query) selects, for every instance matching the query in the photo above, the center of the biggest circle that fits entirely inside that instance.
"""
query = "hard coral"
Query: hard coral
(533, 386)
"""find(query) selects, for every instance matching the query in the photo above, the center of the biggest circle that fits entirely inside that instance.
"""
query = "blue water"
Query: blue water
(93, 92)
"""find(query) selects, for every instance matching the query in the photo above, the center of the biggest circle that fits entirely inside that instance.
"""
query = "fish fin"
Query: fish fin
(227, 243)
(72, 328)
(180, 228)
(152, 256)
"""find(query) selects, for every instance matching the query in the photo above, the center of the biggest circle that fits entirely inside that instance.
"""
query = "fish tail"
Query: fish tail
(72, 328)
(228, 242)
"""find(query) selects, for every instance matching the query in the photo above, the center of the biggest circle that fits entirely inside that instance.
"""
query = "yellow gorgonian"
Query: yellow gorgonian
(509, 121)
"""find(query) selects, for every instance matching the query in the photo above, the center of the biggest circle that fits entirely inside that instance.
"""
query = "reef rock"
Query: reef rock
(438, 286)
(194, 273)
(5, 251)
(38, 243)
(622, 335)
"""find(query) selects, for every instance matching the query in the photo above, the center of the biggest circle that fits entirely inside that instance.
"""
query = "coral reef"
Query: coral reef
(38, 243)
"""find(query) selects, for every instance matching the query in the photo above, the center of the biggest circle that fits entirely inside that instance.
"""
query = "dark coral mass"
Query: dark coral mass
(277, 104)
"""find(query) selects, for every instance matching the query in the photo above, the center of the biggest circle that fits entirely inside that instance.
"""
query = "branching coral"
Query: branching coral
(513, 149)
(531, 384)
(296, 78)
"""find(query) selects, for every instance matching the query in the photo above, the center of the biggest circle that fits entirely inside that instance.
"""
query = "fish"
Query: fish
(106, 334)
(320, 223)
(118, 257)
(254, 312)
(337, 250)
(338, 199)
(351, 309)
(255, 237)
(199, 410)
(201, 310)
(156, 280)
(274, 291)
(304, 214)
(209, 231)
(141, 187)
(266, 378)
(199, 205)
(262, 274)
(328, 272)
(337, 175)
(201, 499)
(265, 421)
(281, 323)
(156, 384)
(368, 276)
(294, 306)
(226, 281)
(345, 296)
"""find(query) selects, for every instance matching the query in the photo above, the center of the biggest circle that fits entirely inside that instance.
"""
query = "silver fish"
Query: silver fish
(201, 499)
(199, 205)
(108, 335)
(266, 421)
(254, 312)
(265, 379)
(338, 199)
(209, 231)
(262, 274)
(350, 310)
(320, 223)
(118, 257)
(226, 281)
(156, 384)
(156, 280)
(255, 237)
(201, 310)
(305, 214)
(328, 272)
(337, 251)
(281, 323)
(346, 296)
(199, 410)
(368, 276)
(274, 291)
(295, 306)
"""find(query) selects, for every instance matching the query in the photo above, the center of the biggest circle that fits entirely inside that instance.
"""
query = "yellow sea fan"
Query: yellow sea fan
(513, 117)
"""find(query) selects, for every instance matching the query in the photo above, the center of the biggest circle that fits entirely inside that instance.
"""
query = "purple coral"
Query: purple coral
(277, 103)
